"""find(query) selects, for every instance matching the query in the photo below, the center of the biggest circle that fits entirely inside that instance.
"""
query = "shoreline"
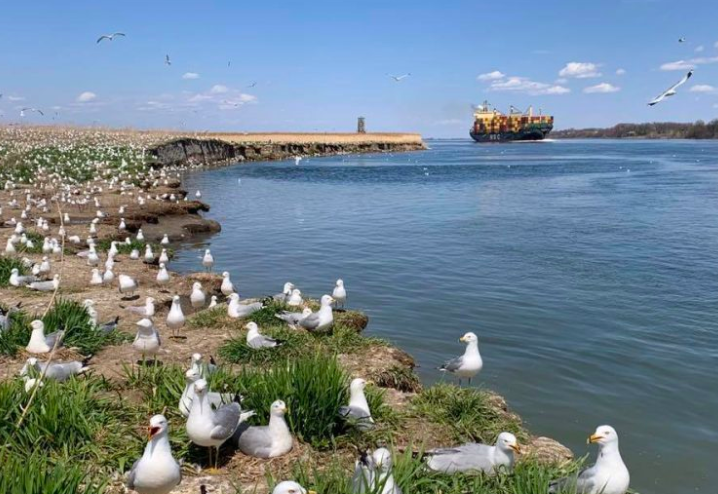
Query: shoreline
(390, 367)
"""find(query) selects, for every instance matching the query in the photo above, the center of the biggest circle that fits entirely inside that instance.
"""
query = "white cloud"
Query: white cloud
(16, 98)
(715, 44)
(525, 85)
(620, 72)
(604, 87)
(703, 88)
(450, 122)
(561, 80)
(700, 48)
(190, 75)
(491, 76)
(219, 89)
(580, 70)
(86, 97)
(688, 64)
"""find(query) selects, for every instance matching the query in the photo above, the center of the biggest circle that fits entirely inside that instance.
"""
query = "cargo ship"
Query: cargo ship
(490, 125)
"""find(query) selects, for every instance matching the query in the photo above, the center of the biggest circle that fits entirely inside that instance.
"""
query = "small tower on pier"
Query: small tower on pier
(361, 129)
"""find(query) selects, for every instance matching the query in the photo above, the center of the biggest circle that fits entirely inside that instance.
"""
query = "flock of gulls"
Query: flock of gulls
(214, 418)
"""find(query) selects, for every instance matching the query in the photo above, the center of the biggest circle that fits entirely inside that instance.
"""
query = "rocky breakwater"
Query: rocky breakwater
(223, 149)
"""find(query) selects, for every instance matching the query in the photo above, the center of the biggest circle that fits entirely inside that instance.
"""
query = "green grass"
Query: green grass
(7, 264)
(467, 412)
(38, 475)
(409, 473)
(67, 314)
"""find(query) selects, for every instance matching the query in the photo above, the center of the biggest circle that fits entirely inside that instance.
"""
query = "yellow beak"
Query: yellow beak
(311, 492)
(515, 447)
(593, 438)
(462, 339)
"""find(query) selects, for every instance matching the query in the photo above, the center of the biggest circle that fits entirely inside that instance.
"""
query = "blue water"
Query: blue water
(588, 269)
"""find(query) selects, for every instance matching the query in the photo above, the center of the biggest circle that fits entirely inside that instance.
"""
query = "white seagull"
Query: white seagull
(156, 472)
(398, 78)
(470, 363)
(671, 91)
(110, 37)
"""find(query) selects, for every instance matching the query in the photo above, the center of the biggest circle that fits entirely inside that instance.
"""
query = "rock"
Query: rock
(548, 451)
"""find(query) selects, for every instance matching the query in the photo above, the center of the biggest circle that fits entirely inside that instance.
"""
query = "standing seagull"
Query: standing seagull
(156, 472)
(608, 475)
(339, 294)
(110, 37)
(470, 363)
(175, 317)
(398, 78)
(208, 260)
(147, 340)
(671, 90)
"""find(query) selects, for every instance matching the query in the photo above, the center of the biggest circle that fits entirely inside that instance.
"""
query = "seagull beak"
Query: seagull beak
(151, 431)
(515, 447)
(462, 339)
(594, 438)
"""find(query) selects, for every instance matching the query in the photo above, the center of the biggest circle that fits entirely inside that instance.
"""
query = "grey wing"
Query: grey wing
(226, 419)
(354, 413)
(464, 458)
(280, 297)
(310, 322)
(52, 337)
(453, 365)
(255, 441)
(131, 476)
(290, 317)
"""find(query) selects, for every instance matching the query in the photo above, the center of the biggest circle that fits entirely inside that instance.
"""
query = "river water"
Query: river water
(588, 270)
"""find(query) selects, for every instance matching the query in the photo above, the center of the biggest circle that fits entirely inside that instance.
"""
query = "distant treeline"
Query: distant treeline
(651, 130)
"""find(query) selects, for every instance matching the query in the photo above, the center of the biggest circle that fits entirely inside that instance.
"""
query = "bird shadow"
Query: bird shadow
(130, 298)
(152, 363)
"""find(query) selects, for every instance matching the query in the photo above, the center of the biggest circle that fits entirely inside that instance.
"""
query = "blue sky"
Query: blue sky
(318, 65)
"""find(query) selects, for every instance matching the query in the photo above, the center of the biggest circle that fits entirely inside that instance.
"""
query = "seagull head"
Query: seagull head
(32, 361)
(357, 385)
(605, 434)
(37, 325)
(327, 300)
(469, 338)
(176, 299)
(382, 459)
(278, 408)
(200, 387)
(158, 425)
(191, 376)
(196, 358)
(252, 327)
(290, 487)
(340, 282)
(507, 442)
(144, 323)
(288, 287)
(233, 297)
(196, 285)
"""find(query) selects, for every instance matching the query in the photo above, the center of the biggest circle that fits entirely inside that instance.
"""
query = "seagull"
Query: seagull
(252, 85)
(236, 310)
(340, 293)
(22, 111)
(671, 90)
(208, 260)
(215, 399)
(608, 475)
(269, 441)
(255, 339)
(167, 60)
(17, 280)
(290, 487)
(39, 343)
(197, 297)
(681, 40)
(295, 298)
(286, 292)
(398, 78)
(204, 370)
(46, 286)
(147, 340)
(163, 277)
(364, 474)
(320, 320)
(6, 316)
(58, 371)
(293, 318)
(147, 310)
(211, 428)
(470, 363)
(175, 317)
(227, 288)
(110, 37)
(380, 479)
(127, 283)
(357, 412)
(109, 326)
(157, 471)
(475, 457)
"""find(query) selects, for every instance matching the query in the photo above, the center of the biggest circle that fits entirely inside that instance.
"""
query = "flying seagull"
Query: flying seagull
(252, 85)
(167, 60)
(398, 78)
(110, 37)
(671, 90)
(681, 40)
(22, 112)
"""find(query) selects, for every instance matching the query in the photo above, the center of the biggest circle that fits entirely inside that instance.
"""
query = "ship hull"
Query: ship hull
(522, 135)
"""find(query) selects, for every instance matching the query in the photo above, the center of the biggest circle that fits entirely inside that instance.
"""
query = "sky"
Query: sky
(316, 66)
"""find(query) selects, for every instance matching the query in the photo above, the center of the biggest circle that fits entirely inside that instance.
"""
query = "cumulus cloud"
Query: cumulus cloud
(700, 48)
(580, 70)
(688, 64)
(603, 87)
(491, 76)
(703, 88)
(218, 89)
(525, 85)
(190, 75)
(86, 97)
(16, 98)
(620, 72)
